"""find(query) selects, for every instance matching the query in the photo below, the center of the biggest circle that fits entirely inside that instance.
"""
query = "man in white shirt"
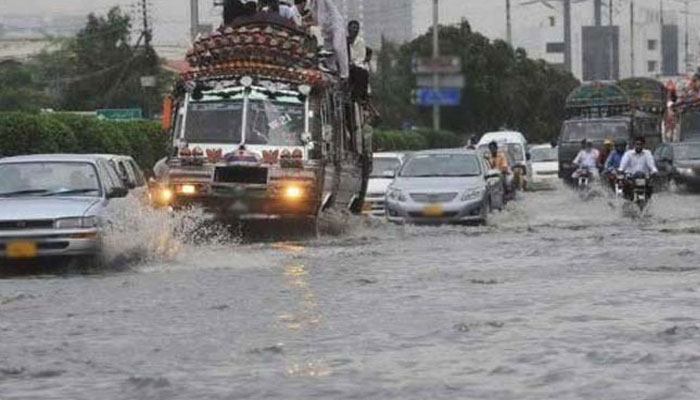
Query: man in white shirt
(291, 12)
(586, 160)
(359, 69)
(638, 161)
(358, 47)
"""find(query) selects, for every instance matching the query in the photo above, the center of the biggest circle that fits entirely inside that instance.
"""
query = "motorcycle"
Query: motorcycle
(617, 183)
(584, 180)
(640, 193)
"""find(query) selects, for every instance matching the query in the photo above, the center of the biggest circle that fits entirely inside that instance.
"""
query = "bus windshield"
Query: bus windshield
(277, 121)
(575, 131)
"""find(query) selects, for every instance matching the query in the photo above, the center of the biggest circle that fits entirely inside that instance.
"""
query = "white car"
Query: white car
(53, 205)
(444, 187)
(384, 169)
(545, 166)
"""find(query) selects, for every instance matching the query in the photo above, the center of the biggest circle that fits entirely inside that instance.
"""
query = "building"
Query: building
(647, 37)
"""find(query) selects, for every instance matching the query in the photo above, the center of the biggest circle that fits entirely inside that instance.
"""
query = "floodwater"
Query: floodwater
(556, 299)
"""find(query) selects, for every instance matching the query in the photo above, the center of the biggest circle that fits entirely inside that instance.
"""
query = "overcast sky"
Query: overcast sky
(171, 17)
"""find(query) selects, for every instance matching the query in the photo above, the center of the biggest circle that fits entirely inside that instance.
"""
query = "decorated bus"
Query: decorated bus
(261, 130)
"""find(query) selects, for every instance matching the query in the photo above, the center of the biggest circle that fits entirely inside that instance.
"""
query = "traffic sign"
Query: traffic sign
(440, 65)
(440, 97)
(444, 81)
(120, 114)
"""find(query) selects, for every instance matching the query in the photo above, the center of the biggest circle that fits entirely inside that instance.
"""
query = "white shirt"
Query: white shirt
(633, 163)
(291, 12)
(358, 52)
(587, 159)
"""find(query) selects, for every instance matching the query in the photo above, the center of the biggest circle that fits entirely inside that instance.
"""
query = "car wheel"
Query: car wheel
(483, 219)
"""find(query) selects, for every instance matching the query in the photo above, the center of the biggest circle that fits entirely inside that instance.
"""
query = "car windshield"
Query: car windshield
(271, 121)
(383, 165)
(513, 150)
(687, 152)
(576, 131)
(544, 154)
(690, 125)
(441, 165)
(49, 179)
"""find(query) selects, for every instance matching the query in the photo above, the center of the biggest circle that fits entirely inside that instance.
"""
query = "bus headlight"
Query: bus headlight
(293, 192)
(188, 190)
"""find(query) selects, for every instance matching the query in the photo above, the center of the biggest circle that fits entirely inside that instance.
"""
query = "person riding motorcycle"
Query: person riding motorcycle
(497, 159)
(615, 158)
(586, 161)
(608, 147)
(612, 164)
(638, 163)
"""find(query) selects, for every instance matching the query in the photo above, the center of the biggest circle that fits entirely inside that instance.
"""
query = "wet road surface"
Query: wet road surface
(556, 298)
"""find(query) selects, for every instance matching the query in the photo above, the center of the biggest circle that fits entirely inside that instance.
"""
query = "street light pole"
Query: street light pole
(436, 55)
(567, 35)
(194, 19)
(509, 24)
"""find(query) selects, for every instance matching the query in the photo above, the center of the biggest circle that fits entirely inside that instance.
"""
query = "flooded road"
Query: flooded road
(557, 298)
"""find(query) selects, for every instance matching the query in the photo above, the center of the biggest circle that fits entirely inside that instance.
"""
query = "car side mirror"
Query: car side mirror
(493, 173)
(129, 185)
(528, 156)
(117, 193)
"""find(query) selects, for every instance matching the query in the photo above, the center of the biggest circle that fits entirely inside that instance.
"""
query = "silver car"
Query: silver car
(52, 205)
(444, 186)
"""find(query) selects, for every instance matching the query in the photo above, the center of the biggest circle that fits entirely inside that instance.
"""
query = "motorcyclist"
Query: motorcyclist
(615, 158)
(608, 147)
(497, 159)
(638, 163)
(586, 161)
(473, 142)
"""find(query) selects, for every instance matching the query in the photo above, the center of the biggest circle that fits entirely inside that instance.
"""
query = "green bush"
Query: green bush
(24, 133)
(419, 139)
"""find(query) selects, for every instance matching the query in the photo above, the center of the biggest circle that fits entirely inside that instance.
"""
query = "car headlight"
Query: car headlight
(396, 194)
(473, 194)
(76, 223)
(685, 171)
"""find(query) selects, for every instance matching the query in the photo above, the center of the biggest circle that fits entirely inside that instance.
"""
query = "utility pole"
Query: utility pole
(147, 34)
(194, 19)
(632, 69)
(567, 35)
(509, 25)
(436, 55)
(612, 45)
(688, 67)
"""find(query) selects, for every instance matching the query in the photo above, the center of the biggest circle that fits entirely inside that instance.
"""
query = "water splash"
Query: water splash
(138, 233)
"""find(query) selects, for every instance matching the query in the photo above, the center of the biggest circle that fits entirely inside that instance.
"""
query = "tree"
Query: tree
(19, 89)
(505, 88)
(99, 67)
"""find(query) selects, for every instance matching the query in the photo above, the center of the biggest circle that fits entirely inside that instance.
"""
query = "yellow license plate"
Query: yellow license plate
(21, 249)
(434, 210)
